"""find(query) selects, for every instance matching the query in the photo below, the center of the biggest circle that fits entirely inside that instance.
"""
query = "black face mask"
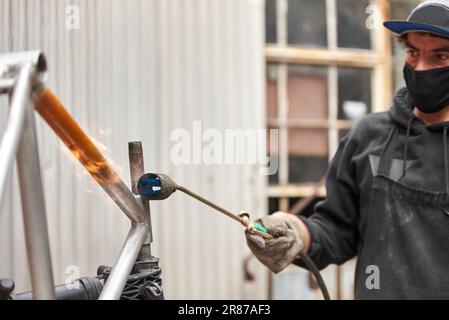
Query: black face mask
(429, 89)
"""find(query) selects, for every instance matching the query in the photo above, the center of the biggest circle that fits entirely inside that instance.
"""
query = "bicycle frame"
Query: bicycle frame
(21, 76)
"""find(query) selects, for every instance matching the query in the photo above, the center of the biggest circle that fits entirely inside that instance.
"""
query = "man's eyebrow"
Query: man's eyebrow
(439, 49)
(409, 45)
(443, 48)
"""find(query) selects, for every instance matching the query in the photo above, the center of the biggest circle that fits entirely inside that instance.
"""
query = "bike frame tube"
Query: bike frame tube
(119, 274)
(137, 169)
(20, 139)
(82, 147)
(34, 213)
(29, 66)
(6, 85)
(12, 134)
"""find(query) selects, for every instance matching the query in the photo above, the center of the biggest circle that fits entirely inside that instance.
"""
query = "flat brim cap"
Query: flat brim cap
(430, 16)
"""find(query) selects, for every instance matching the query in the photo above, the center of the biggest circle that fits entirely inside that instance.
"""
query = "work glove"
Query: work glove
(290, 236)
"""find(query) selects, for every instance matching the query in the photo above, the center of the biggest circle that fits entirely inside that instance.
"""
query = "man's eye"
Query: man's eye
(442, 56)
(412, 53)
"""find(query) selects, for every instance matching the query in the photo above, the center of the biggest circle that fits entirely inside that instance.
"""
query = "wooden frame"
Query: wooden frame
(378, 60)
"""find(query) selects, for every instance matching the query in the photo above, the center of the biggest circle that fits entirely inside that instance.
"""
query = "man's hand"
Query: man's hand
(290, 237)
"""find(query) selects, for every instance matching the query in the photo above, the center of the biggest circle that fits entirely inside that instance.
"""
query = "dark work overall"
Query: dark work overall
(405, 236)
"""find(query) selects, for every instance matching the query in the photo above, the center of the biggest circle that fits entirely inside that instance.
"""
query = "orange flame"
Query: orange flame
(77, 141)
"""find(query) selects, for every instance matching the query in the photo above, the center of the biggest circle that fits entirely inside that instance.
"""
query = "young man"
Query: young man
(387, 187)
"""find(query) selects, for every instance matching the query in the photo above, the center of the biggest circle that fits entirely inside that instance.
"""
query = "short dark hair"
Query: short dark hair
(401, 39)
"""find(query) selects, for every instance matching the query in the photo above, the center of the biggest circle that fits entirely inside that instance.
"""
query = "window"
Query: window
(326, 68)
(352, 30)
(354, 93)
(270, 21)
(307, 23)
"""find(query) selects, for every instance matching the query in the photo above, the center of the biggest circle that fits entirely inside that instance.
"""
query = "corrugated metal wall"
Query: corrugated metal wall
(136, 70)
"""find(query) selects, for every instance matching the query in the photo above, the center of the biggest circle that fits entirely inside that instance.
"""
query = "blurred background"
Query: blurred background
(137, 70)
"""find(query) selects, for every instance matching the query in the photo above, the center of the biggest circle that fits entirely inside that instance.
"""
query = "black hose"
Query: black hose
(314, 269)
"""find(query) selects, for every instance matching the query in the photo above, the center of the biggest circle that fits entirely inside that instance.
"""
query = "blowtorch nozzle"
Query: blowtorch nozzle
(152, 186)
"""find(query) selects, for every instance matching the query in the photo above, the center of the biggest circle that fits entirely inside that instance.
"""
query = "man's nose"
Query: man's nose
(423, 65)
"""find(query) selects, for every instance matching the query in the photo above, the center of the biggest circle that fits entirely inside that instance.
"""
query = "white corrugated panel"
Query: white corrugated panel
(137, 70)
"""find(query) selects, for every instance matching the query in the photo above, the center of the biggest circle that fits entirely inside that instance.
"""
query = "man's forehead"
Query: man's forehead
(417, 38)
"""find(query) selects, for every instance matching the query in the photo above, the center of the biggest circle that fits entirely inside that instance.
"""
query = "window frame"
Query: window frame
(378, 60)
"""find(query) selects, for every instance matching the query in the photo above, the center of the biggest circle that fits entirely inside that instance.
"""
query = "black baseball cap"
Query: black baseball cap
(430, 16)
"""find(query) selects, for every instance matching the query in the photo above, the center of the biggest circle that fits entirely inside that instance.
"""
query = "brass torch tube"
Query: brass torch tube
(244, 221)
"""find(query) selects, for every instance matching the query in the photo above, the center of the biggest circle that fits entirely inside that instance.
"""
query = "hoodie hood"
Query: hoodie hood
(401, 113)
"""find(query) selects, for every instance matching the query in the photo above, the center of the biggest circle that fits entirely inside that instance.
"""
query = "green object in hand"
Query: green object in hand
(260, 228)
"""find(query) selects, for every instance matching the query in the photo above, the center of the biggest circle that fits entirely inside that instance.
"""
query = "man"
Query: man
(387, 187)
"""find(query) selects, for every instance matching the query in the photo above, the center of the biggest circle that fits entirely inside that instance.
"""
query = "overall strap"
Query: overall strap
(386, 157)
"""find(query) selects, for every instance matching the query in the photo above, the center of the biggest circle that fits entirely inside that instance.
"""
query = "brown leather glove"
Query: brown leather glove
(290, 237)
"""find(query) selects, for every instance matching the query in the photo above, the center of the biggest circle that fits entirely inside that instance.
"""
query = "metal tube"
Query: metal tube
(6, 85)
(136, 163)
(137, 169)
(19, 59)
(82, 147)
(119, 275)
(33, 207)
(13, 132)
(211, 204)
(244, 221)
